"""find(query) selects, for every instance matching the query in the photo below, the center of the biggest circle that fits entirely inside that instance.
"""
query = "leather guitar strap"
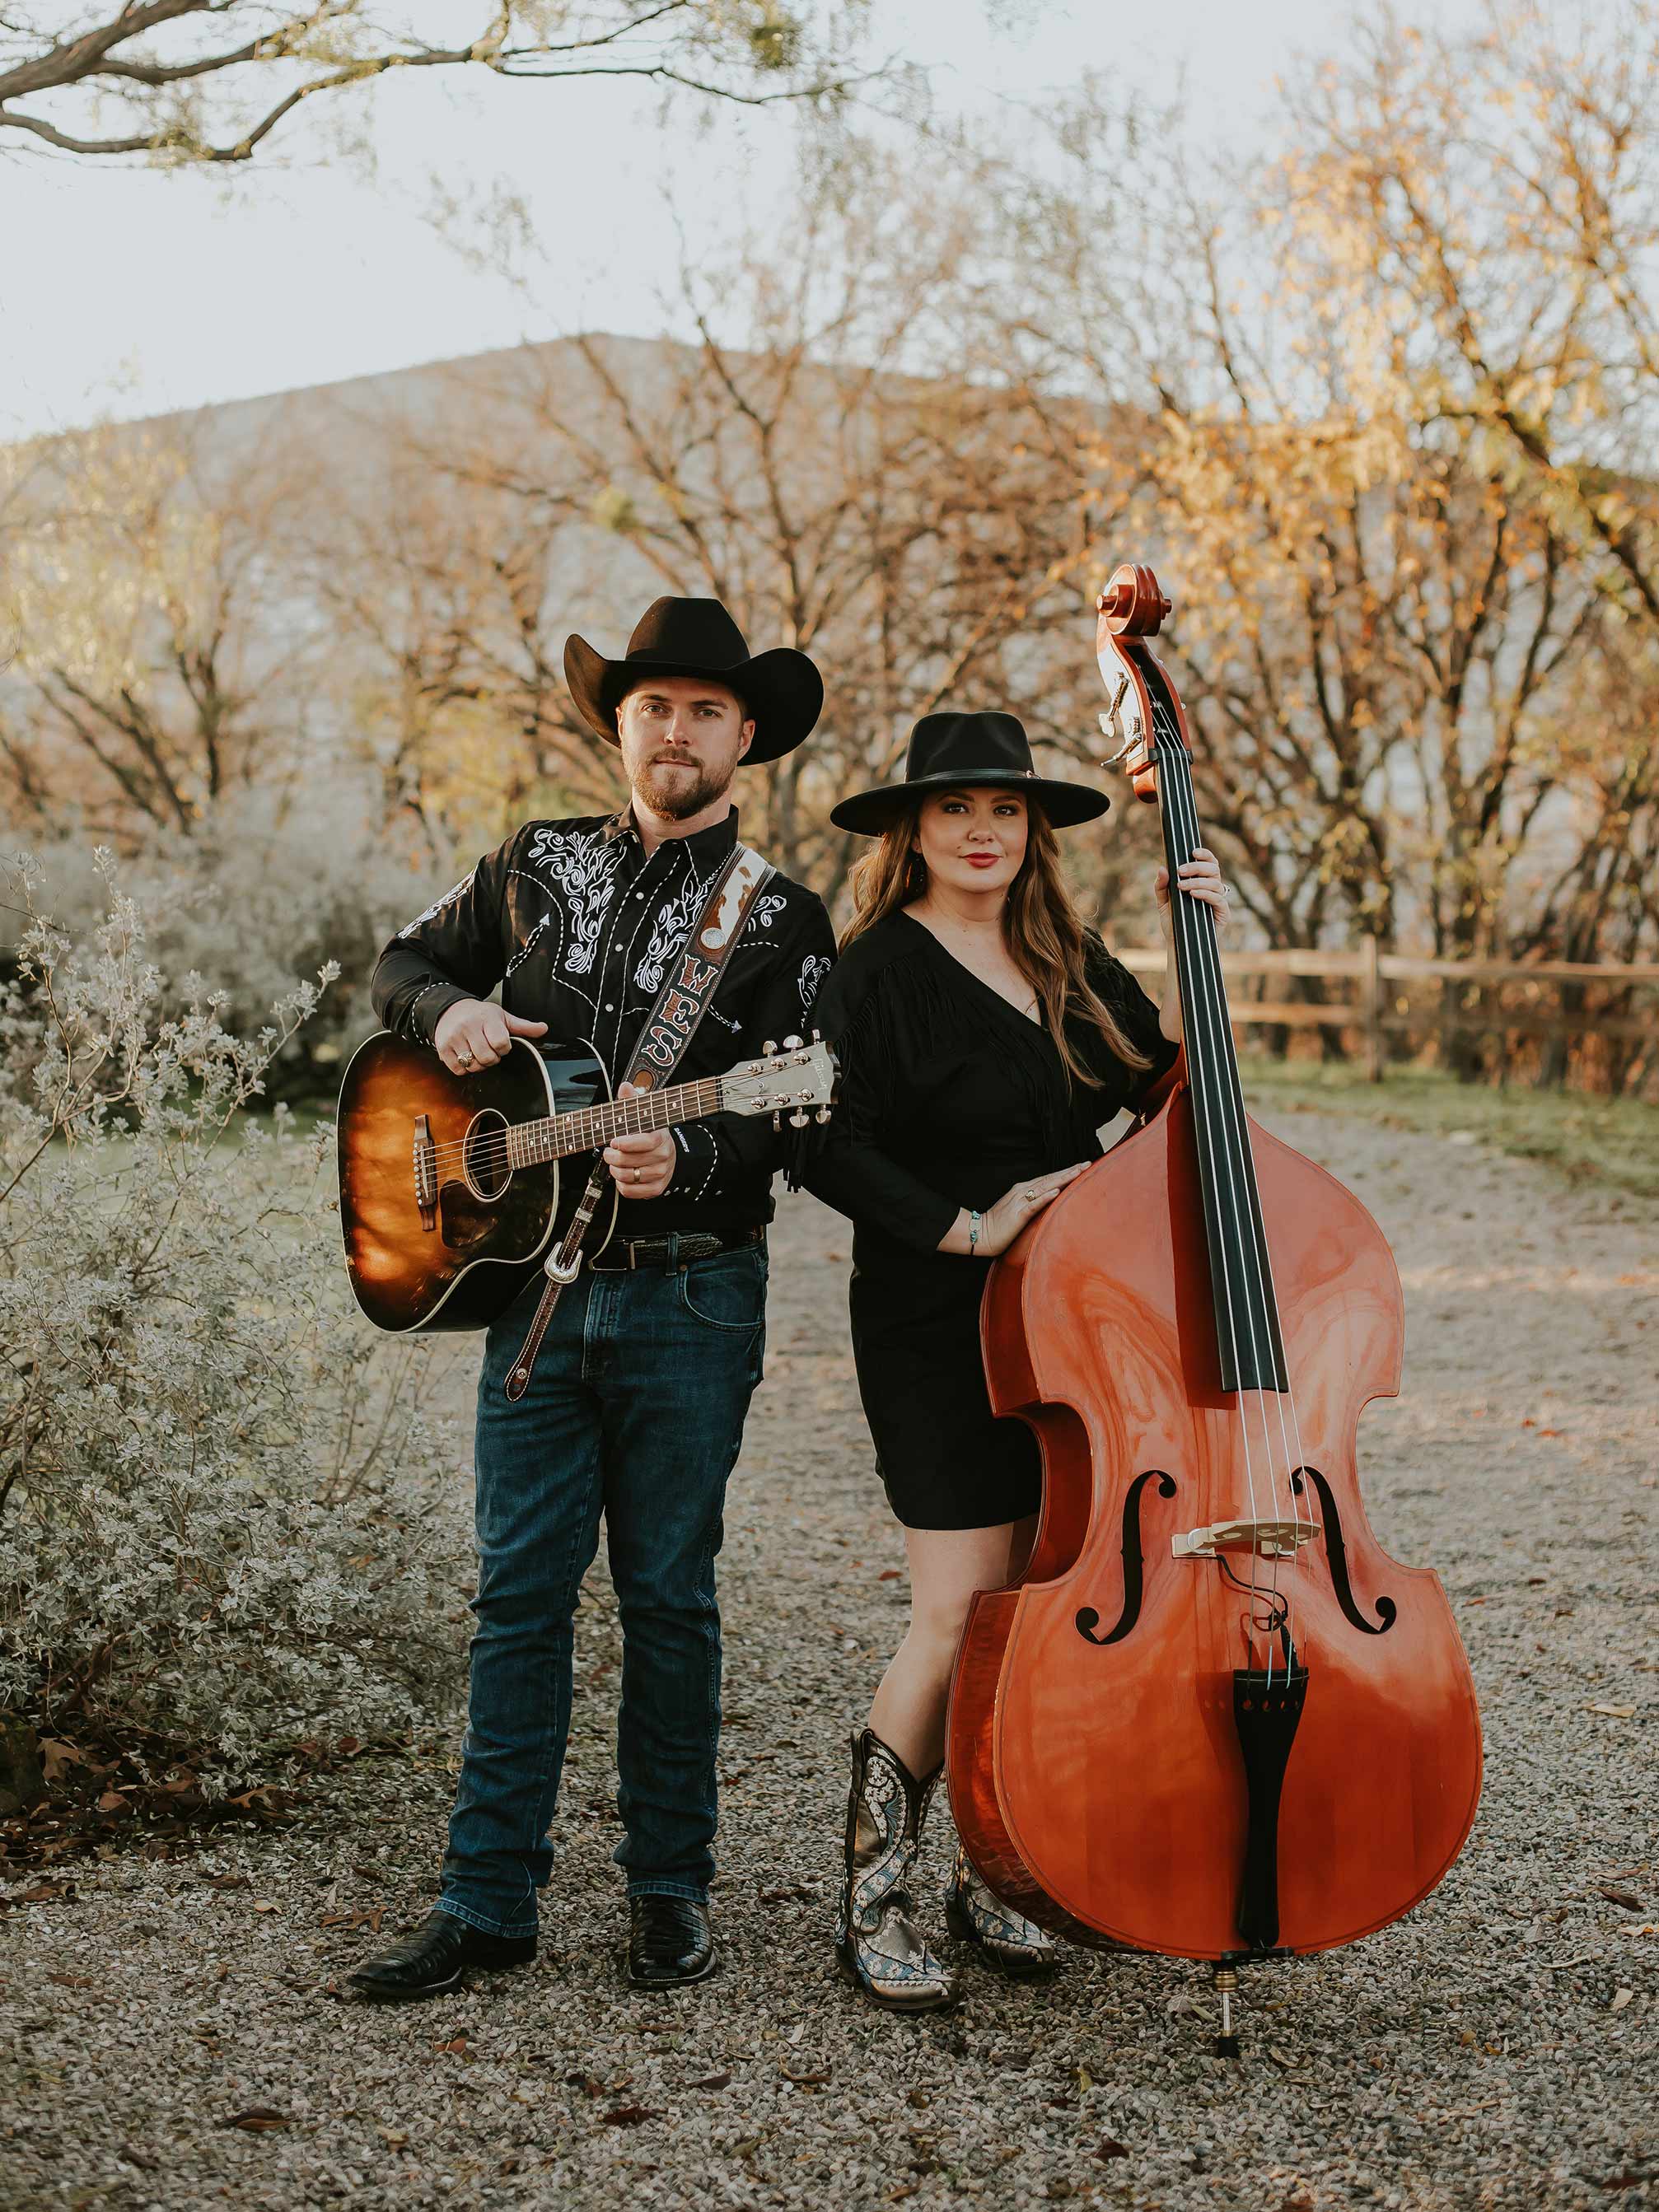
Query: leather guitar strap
(683, 1000)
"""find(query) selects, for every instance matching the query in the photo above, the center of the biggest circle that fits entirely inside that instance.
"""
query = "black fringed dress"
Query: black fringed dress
(948, 1097)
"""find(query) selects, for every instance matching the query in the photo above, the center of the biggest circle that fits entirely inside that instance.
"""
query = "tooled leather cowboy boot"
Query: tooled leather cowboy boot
(879, 1949)
(1014, 1945)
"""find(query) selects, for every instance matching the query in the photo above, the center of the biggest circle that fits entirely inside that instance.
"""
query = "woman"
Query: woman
(985, 1037)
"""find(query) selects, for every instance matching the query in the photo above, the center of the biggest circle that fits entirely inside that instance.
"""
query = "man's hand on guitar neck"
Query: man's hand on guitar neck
(475, 1033)
(643, 1166)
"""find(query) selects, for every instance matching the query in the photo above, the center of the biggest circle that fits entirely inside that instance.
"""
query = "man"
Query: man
(637, 1401)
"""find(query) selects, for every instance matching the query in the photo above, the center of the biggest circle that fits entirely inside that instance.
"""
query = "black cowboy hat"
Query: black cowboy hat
(781, 689)
(951, 751)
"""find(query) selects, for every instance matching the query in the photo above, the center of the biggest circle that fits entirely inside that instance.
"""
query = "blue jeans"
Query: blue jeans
(635, 1407)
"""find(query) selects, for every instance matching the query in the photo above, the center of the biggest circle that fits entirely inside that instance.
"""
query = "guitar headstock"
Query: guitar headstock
(799, 1076)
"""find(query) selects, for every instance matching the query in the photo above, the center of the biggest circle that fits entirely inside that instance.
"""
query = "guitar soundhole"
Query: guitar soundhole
(484, 1160)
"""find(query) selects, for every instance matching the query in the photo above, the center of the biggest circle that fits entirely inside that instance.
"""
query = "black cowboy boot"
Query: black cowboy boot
(879, 1949)
(432, 1962)
(1004, 1938)
(670, 1941)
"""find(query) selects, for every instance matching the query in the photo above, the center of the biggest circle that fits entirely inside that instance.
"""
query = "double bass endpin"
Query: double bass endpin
(1224, 1982)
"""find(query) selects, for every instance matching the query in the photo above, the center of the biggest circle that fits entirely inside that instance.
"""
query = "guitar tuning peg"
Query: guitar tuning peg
(777, 1123)
(797, 1119)
(769, 1047)
(822, 1116)
(792, 1044)
(817, 1037)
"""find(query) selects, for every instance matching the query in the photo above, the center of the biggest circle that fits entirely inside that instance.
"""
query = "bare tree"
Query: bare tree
(181, 82)
(153, 665)
(917, 532)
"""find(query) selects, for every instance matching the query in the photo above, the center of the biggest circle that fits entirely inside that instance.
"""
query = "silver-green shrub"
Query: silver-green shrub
(227, 1506)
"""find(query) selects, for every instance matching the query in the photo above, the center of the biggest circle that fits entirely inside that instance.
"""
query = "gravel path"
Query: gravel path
(171, 2040)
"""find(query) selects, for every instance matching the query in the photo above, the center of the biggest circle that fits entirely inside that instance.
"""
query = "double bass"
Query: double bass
(1213, 1719)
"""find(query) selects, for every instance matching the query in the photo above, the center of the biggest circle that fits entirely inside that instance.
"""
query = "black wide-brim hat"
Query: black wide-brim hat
(781, 689)
(952, 751)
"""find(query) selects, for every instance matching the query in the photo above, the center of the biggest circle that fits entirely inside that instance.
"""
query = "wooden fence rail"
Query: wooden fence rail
(1369, 1011)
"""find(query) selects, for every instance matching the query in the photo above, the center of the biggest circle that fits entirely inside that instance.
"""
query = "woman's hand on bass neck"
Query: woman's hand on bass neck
(1001, 1224)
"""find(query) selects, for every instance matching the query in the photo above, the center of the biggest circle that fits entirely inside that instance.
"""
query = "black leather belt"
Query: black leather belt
(623, 1253)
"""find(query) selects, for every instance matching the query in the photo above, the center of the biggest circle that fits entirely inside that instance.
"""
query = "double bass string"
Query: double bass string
(1204, 1071)
(1199, 936)
(1209, 996)
(1241, 1132)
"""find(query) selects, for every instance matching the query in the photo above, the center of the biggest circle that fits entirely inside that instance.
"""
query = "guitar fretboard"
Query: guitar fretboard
(529, 1144)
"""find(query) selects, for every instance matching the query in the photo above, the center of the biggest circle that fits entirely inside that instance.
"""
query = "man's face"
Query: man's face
(682, 738)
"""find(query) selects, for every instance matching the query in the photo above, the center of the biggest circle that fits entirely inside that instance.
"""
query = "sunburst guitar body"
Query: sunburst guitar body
(453, 1188)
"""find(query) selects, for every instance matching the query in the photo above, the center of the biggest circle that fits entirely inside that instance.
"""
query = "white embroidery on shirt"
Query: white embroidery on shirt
(436, 906)
(530, 944)
(814, 969)
(584, 868)
(765, 908)
(670, 930)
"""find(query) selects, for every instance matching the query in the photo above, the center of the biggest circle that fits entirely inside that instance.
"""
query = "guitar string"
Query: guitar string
(1236, 1131)
(666, 1104)
(1234, 1184)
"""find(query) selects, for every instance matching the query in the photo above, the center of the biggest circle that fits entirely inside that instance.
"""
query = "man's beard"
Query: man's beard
(668, 793)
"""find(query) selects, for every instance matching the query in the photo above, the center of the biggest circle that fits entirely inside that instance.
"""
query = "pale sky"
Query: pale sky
(126, 293)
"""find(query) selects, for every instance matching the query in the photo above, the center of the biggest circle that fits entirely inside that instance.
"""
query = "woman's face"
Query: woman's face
(973, 840)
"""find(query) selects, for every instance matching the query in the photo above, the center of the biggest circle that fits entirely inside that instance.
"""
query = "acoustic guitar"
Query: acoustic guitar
(453, 1187)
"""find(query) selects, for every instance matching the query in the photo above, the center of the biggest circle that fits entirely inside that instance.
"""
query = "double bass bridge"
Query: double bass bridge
(1267, 1540)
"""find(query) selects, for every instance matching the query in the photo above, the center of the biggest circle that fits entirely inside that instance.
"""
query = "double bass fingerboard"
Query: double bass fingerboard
(1248, 1338)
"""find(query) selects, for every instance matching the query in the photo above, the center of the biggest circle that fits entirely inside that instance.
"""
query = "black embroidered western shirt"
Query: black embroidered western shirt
(580, 925)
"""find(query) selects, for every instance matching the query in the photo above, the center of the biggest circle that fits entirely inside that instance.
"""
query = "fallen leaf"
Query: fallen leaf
(1624, 1897)
(1550, 1432)
(56, 1756)
(227, 1881)
(142, 2159)
(1621, 1999)
(74, 1981)
(1085, 2080)
(264, 1904)
(44, 1892)
(584, 2082)
(628, 2116)
(890, 1574)
(711, 2081)
(1107, 2148)
(1613, 1712)
(805, 2081)
(456, 2047)
(258, 2120)
(112, 1801)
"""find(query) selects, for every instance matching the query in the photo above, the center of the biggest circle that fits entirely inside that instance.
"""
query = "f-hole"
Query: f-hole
(1133, 1562)
(1336, 1557)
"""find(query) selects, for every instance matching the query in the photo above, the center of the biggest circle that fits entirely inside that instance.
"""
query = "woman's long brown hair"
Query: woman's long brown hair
(1040, 925)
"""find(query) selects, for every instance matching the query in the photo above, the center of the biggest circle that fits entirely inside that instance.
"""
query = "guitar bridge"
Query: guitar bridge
(426, 1173)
